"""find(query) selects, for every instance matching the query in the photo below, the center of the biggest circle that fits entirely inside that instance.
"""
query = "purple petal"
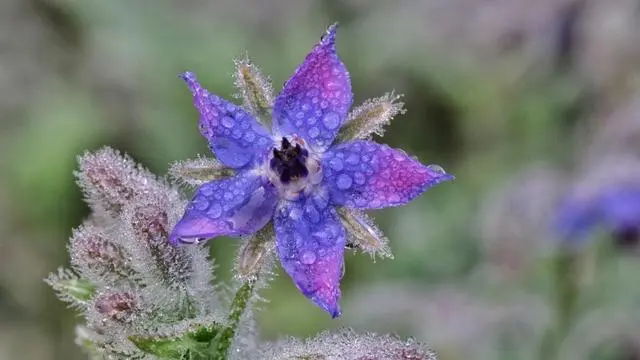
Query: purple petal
(315, 100)
(621, 206)
(616, 208)
(237, 206)
(310, 241)
(368, 175)
(234, 136)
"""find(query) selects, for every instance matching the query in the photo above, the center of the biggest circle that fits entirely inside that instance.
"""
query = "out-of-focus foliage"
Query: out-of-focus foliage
(519, 99)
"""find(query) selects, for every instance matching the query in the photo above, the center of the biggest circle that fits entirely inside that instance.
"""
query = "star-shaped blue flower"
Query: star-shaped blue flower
(296, 176)
(615, 207)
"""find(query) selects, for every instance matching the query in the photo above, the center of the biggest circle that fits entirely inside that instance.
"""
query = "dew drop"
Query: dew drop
(215, 211)
(321, 201)
(200, 203)
(436, 169)
(331, 120)
(314, 132)
(344, 181)
(336, 164)
(227, 122)
(308, 258)
(353, 159)
(312, 213)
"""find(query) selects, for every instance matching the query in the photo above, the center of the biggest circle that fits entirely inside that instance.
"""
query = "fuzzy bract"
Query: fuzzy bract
(296, 175)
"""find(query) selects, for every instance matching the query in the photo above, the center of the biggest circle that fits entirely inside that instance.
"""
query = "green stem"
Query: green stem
(566, 290)
(238, 307)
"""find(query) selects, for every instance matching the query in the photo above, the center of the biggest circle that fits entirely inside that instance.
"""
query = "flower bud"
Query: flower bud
(110, 180)
(94, 254)
(148, 222)
(119, 306)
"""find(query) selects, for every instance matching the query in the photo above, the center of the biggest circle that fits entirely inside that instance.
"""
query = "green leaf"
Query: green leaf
(192, 344)
(70, 288)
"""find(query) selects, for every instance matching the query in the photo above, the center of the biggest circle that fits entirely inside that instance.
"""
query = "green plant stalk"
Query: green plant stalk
(237, 309)
(565, 293)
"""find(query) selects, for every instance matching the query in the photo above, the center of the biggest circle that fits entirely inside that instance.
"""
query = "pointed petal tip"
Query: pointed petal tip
(337, 312)
(190, 78)
(439, 174)
(329, 37)
(332, 307)
(187, 76)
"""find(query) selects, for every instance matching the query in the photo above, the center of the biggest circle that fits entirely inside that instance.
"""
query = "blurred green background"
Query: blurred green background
(504, 94)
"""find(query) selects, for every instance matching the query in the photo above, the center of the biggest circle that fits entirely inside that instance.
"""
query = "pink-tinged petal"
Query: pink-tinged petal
(315, 100)
(234, 136)
(368, 175)
(236, 206)
(310, 241)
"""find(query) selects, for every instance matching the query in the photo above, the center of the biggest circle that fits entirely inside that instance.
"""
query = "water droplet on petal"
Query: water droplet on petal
(308, 258)
(312, 213)
(359, 178)
(215, 211)
(336, 164)
(227, 122)
(331, 120)
(344, 181)
(353, 159)
(321, 201)
(314, 132)
(200, 203)
(436, 169)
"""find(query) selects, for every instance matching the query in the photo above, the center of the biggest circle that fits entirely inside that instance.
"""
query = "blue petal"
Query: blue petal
(367, 175)
(615, 208)
(621, 207)
(315, 100)
(234, 136)
(237, 206)
(310, 240)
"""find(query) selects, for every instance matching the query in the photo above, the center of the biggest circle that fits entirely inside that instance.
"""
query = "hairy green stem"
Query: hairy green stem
(237, 309)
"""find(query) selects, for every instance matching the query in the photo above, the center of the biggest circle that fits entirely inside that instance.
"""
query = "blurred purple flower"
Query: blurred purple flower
(295, 177)
(607, 197)
(616, 208)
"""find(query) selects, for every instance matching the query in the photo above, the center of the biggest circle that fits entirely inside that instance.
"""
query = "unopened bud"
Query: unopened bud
(119, 306)
(110, 180)
(370, 118)
(349, 345)
(256, 91)
(148, 220)
(93, 253)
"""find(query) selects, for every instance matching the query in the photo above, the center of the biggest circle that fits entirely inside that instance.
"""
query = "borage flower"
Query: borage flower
(296, 176)
(606, 197)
